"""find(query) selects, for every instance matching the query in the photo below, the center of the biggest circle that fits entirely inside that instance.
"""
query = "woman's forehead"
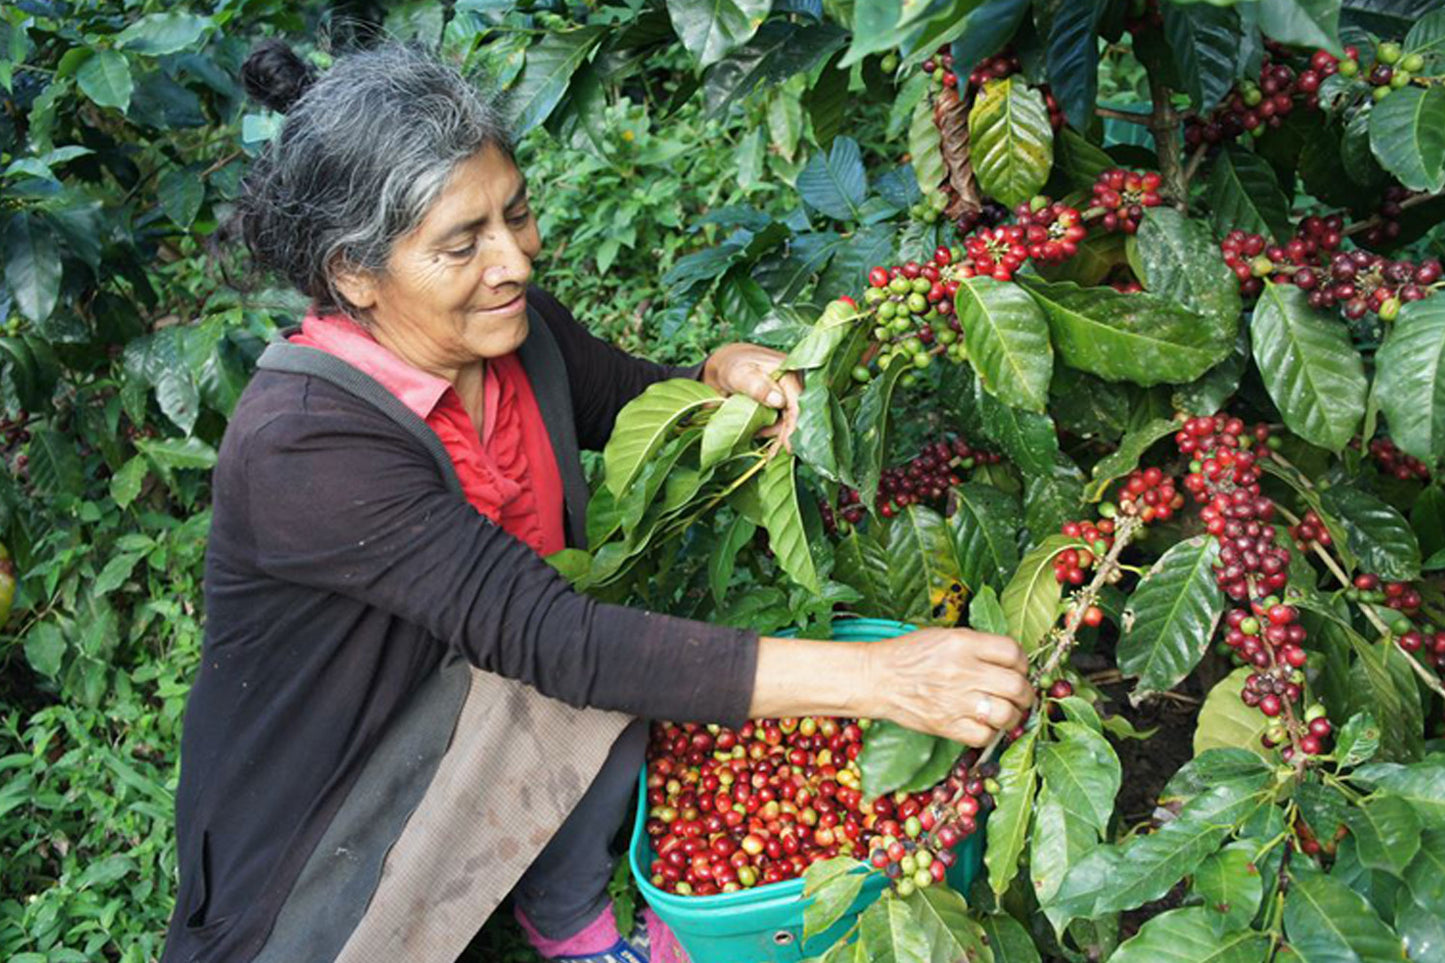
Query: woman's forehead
(479, 185)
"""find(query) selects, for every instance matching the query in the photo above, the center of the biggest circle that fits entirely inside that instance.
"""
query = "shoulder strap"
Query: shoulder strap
(299, 359)
(547, 371)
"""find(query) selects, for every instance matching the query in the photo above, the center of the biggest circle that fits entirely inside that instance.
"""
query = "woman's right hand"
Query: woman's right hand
(957, 683)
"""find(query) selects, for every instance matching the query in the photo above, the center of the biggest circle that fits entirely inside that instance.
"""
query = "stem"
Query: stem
(1128, 116)
(1128, 526)
(1370, 615)
(1409, 202)
(1164, 125)
(1195, 160)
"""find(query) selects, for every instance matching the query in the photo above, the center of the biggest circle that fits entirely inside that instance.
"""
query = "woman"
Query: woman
(402, 712)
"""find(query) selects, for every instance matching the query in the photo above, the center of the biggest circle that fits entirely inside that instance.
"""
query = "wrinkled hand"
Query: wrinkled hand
(748, 369)
(957, 683)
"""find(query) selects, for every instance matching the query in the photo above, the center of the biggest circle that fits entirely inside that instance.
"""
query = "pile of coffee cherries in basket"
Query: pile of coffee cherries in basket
(729, 809)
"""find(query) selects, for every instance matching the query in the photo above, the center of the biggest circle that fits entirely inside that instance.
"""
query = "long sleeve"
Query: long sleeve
(343, 501)
(603, 377)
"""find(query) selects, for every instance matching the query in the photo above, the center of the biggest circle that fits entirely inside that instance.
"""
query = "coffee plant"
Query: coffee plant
(1181, 410)
(1119, 334)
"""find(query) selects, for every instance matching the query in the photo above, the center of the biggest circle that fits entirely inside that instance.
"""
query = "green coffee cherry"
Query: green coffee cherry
(1388, 52)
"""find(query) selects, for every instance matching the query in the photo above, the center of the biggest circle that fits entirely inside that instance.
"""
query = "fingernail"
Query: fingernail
(775, 398)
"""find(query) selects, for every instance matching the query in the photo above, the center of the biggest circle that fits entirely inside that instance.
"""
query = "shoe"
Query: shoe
(663, 946)
(629, 949)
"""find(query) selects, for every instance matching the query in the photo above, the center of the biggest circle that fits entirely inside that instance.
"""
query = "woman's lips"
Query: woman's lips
(510, 307)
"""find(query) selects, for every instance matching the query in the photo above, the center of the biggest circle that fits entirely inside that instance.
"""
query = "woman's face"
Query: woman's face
(454, 289)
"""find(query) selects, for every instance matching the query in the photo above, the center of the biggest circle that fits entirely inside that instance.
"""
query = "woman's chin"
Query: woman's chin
(499, 341)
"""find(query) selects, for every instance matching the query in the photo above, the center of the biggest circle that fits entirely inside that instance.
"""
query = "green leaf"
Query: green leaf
(1205, 41)
(659, 471)
(1427, 36)
(1325, 920)
(1179, 260)
(1243, 194)
(723, 559)
(1231, 887)
(1072, 58)
(950, 933)
(1141, 338)
(1309, 367)
(1053, 498)
(782, 517)
(1008, 341)
(1031, 598)
(1387, 833)
(125, 484)
(1172, 615)
(1425, 876)
(924, 145)
(1225, 721)
(830, 901)
(940, 763)
(1188, 935)
(116, 571)
(1011, 142)
(1377, 535)
(1358, 739)
(1008, 939)
(645, 423)
(1125, 458)
(1422, 784)
(922, 567)
(711, 28)
(985, 614)
(1410, 380)
(1213, 389)
(181, 194)
(733, 426)
(1302, 23)
(162, 33)
(1057, 841)
(105, 79)
(1407, 136)
(1009, 822)
(889, 933)
(55, 467)
(870, 426)
(166, 453)
(32, 266)
(1421, 930)
(861, 563)
(890, 757)
(1113, 878)
(45, 649)
(550, 64)
(835, 183)
(1082, 772)
(1216, 767)
(1028, 438)
(985, 525)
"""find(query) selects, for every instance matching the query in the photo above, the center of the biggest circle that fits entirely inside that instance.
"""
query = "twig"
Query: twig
(1128, 116)
(1413, 201)
(221, 163)
(1195, 160)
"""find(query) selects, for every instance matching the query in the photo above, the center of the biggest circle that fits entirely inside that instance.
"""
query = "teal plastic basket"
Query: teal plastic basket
(764, 924)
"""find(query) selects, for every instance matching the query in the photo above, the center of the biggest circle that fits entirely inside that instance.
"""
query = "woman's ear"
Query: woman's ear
(357, 287)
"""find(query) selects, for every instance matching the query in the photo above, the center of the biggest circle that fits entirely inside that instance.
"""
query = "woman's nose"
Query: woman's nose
(512, 265)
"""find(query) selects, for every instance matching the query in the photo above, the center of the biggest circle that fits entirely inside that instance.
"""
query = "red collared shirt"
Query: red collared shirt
(507, 469)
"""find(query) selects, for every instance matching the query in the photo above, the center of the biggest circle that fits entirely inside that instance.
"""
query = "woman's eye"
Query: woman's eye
(463, 252)
(520, 218)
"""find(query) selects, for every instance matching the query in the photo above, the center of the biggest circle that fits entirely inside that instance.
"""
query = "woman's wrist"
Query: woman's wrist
(797, 677)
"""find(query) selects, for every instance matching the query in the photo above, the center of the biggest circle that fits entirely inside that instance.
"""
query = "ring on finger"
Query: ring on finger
(983, 709)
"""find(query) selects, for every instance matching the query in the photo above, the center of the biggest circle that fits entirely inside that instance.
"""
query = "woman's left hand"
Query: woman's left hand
(748, 369)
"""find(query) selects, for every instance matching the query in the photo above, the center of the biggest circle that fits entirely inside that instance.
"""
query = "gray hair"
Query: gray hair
(365, 149)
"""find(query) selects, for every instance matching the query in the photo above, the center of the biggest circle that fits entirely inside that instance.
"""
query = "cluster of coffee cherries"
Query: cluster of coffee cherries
(1400, 596)
(1392, 70)
(1305, 840)
(1387, 217)
(997, 67)
(1121, 196)
(1071, 564)
(1395, 462)
(732, 809)
(1150, 494)
(1428, 642)
(1254, 107)
(923, 480)
(921, 854)
(1358, 281)
(913, 304)
(1310, 531)
(1253, 570)
(1052, 229)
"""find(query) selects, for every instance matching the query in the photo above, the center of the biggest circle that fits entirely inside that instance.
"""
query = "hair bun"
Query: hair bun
(275, 76)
